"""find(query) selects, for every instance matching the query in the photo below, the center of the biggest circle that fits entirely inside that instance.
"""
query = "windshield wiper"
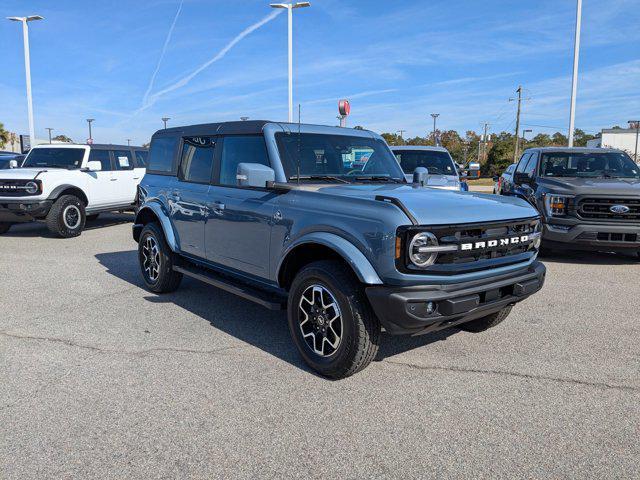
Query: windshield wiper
(318, 177)
(380, 178)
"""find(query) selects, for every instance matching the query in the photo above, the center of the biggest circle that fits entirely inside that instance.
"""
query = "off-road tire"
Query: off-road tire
(5, 227)
(67, 217)
(164, 279)
(360, 328)
(485, 323)
(92, 218)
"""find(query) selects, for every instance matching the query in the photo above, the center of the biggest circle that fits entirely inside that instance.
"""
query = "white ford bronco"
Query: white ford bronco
(65, 185)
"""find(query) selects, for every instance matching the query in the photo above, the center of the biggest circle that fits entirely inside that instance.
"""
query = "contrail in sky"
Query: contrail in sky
(164, 49)
(151, 99)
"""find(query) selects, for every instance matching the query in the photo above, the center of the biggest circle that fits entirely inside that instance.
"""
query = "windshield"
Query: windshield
(589, 164)
(338, 158)
(438, 163)
(69, 158)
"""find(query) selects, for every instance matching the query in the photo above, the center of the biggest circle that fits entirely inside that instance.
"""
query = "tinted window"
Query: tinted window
(123, 159)
(531, 165)
(101, 156)
(141, 158)
(241, 149)
(510, 169)
(55, 157)
(588, 164)
(438, 163)
(161, 154)
(197, 159)
(523, 162)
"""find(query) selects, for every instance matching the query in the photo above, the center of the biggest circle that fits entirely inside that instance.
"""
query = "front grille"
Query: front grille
(477, 248)
(600, 209)
(13, 188)
(617, 237)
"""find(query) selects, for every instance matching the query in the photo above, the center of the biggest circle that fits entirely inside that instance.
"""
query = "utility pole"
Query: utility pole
(435, 139)
(49, 134)
(637, 124)
(515, 153)
(574, 82)
(128, 142)
(400, 132)
(484, 142)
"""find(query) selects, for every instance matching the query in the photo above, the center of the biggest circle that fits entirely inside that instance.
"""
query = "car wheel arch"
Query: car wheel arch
(153, 213)
(69, 190)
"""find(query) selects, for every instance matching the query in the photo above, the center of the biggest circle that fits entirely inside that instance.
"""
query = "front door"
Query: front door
(188, 194)
(238, 232)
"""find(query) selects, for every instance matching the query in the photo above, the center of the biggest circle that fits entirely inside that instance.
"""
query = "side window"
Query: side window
(101, 156)
(523, 162)
(241, 149)
(161, 155)
(531, 165)
(123, 159)
(197, 159)
(141, 158)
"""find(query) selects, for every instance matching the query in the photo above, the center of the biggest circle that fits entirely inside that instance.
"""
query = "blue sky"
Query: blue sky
(396, 61)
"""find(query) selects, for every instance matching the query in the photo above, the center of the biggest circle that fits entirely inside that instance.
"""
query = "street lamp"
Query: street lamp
(574, 83)
(49, 133)
(27, 68)
(637, 124)
(165, 120)
(290, 7)
(89, 121)
(128, 142)
(244, 119)
(435, 140)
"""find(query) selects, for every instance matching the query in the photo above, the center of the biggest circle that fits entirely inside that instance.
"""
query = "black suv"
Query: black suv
(589, 198)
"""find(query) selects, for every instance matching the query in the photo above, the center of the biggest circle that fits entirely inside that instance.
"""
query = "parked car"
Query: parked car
(504, 183)
(65, 185)
(589, 198)
(10, 160)
(443, 173)
(270, 212)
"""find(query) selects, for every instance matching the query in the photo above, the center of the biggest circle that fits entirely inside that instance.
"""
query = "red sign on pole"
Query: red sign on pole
(344, 108)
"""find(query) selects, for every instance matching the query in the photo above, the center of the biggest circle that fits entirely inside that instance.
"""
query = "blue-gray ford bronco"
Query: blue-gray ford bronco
(290, 217)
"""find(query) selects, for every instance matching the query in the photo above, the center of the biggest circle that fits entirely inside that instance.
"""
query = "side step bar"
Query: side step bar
(270, 301)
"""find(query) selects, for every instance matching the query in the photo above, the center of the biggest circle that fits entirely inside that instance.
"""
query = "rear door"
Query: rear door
(126, 177)
(100, 184)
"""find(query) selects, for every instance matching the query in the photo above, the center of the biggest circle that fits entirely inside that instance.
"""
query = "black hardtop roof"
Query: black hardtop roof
(114, 145)
(573, 149)
(248, 127)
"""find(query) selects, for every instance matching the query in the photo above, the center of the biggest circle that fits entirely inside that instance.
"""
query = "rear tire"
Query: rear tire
(156, 260)
(5, 227)
(67, 217)
(330, 320)
(485, 323)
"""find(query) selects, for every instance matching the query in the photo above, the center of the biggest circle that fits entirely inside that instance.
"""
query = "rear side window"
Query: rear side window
(123, 159)
(141, 158)
(161, 155)
(241, 149)
(197, 159)
(101, 156)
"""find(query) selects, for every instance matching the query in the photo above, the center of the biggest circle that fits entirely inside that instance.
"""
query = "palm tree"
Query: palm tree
(4, 135)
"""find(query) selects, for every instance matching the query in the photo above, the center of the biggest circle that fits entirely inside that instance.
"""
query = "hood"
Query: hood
(449, 182)
(21, 173)
(591, 186)
(432, 206)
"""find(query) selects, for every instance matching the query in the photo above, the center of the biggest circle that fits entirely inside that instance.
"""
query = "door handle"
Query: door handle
(114, 179)
(218, 208)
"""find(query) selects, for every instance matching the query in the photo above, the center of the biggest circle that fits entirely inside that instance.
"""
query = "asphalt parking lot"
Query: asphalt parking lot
(101, 379)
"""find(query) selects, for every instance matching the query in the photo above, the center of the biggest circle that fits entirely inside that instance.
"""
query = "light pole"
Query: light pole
(128, 142)
(637, 124)
(165, 120)
(244, 119)
(27, 68)
(435, 140)
(89, 121)
(290, 7)
(49, 134)
(574, 83)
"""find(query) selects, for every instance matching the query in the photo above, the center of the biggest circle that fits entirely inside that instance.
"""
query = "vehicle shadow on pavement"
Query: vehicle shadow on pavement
(588, 258)
(250, 323)
(39, 229)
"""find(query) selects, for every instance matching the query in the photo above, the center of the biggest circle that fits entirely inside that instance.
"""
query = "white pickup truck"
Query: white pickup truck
(65, 185)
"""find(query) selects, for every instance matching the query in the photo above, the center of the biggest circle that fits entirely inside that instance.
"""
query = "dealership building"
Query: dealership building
(620, 138)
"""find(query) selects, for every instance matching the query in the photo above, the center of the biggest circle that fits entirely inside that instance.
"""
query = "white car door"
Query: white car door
(126, 175)
(100, 184)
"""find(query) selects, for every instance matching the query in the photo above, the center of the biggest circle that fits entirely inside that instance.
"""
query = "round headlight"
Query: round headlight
(425, 257)
(31, 188)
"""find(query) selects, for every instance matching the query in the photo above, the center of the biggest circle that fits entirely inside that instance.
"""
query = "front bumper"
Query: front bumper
(25, 211)
(590, 236)
(403, 310)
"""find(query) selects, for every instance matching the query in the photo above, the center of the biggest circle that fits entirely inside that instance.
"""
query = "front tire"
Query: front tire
(485, 323)
(67, 217)
(5, 227)
(330, 320)
(156, 260)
